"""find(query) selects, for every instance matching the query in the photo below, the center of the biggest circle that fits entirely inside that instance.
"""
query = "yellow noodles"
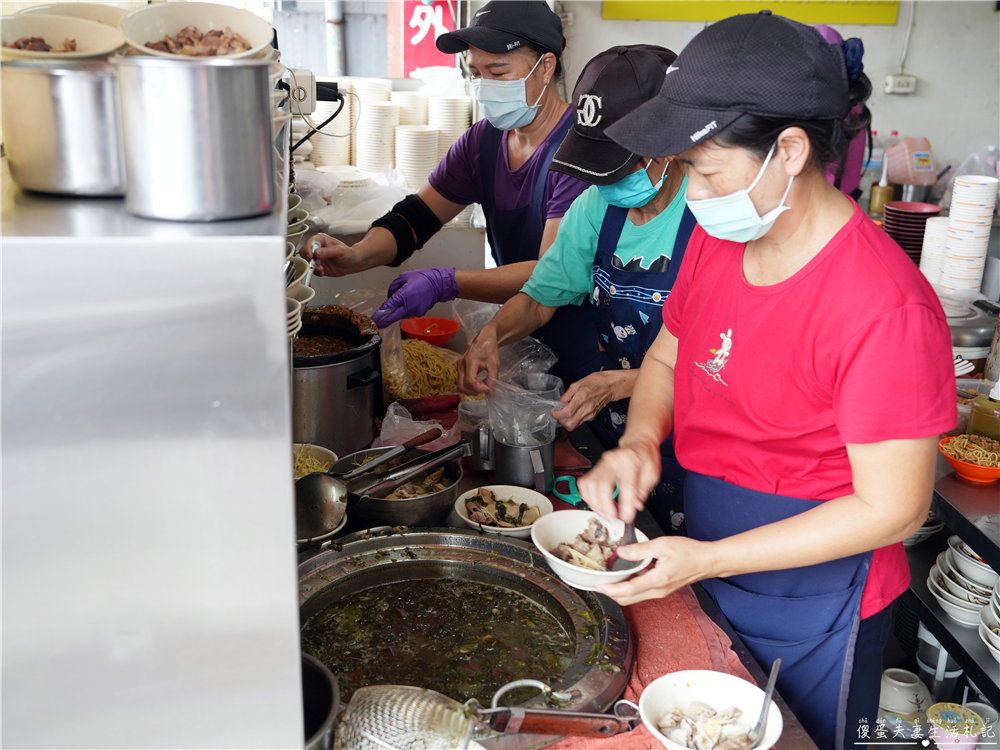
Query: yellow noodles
(431, 373)
(306, 463)
(974, 449)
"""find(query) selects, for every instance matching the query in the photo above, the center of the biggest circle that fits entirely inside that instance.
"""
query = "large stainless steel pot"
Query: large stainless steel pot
(604, 650)
(61, 126)
(197, 137)
(336, 398)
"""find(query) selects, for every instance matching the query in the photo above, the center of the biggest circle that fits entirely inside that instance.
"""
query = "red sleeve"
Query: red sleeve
(673, 308)
(563, 190)
(896, 378)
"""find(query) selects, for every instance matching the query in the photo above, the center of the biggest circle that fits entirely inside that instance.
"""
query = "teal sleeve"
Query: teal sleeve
(564, 274)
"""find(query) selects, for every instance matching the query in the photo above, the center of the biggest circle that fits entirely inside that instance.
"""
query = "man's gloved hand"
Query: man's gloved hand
(413, 293)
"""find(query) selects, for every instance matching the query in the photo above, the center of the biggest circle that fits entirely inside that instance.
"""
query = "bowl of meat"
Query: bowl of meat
(426, 501)
(180, 30)
(42, 37)
(577, 545)
(705, 709)
(502, 509)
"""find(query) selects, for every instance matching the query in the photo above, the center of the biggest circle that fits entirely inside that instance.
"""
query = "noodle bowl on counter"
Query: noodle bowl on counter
(973, 449)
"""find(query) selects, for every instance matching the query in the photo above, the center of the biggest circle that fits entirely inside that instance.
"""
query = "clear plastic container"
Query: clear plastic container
(911, 162)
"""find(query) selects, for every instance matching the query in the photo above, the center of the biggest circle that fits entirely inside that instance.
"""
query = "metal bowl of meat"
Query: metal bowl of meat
(426, 501)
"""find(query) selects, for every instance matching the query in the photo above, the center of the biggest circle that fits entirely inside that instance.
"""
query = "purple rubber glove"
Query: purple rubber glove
(413, 293)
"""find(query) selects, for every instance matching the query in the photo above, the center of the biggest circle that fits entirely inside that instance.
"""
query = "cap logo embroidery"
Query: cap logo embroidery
(704, 131)
(512, 45)
(587, 115)
(483, 13)
(671, 69)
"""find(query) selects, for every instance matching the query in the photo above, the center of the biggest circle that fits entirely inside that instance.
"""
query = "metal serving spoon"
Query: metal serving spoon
(619, 563)
(758, 731)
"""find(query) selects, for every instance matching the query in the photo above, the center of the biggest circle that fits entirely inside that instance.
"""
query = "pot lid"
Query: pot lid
(342, 335)
(970, 326)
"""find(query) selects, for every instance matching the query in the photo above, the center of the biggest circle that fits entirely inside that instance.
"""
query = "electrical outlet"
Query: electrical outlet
(900, 84)
(302, 91)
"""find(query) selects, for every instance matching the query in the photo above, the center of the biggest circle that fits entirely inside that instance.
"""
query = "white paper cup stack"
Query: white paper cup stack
(969, 221)
(333, 145)
(376, 136)
(450, 115)
(369, 91)
(412, 107)
(417, 152)
(933, 250)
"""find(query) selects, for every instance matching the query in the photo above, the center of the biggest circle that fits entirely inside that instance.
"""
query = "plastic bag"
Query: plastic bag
(473, 316)
(525, 356)
(972, 165)
(395, 374)
(399, 426)
(521, 418)
(351, 211)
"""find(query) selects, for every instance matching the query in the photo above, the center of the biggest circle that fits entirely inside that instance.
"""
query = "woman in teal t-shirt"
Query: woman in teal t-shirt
(618, 247)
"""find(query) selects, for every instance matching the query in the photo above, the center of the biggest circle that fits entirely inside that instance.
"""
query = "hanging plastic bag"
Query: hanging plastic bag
(473, 316)
(524, 357)
(396, 381)
(521, 418)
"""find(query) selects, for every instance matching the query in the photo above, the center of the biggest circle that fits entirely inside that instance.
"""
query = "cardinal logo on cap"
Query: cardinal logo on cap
(587, 115)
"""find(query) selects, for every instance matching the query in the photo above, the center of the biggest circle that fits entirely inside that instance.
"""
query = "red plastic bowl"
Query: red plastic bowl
(437, 331)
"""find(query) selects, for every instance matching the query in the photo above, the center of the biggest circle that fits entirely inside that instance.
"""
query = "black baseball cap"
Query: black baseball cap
(611, 86)
(504, 25)
(759, 64)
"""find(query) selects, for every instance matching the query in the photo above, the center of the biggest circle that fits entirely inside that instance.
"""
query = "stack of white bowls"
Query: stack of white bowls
(294, 316)
(962, 583)
(349, 177)
(451, 115)
(369, 91)
(376, 137)
(332, 145)
(970, 219)
(989, 624)
(932, 525)
(416, 153)
(412, 107)
(932, 252)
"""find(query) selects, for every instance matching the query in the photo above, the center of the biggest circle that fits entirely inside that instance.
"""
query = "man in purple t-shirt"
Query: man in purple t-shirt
(514, 50)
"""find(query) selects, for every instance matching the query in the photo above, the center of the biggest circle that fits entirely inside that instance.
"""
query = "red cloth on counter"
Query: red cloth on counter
(670, 635)
(772, 382)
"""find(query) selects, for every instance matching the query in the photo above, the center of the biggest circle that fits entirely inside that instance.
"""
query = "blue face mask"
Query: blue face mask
(633, 190)
(734, 217)
(505, 103)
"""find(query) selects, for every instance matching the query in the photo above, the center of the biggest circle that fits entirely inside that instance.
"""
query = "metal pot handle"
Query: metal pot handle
(538, 466)
(363, 378)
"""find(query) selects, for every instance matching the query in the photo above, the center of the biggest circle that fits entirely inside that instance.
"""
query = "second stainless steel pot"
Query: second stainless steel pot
(197, 137)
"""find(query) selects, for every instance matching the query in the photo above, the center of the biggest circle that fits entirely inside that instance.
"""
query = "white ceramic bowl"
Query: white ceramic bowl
(297, 214)
(988, 619)
(995, 603)
(945, 566)
(970, 568)
(296, 230)
(152, 23)
(550, 530)
(902, 692)
(984, 635)
(952, 593)
(93, 39)
(960, 593)
(293, 201)
(718, 690)
(301, 266)
(505, 492)
(960, 614)
(289, 250)
(294, 311)
(106, 14)
(303, 294)
(318, 452)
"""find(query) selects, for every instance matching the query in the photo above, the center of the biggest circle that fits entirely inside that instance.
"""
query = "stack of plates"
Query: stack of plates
(932, 252)
(412, 107)
(905, 221)
(349, 177)
(962, 583)
(417, 152)
(369, 91)
(376, 136)
(450, 115)
(332, 145)
(970, 218)
(931, 527)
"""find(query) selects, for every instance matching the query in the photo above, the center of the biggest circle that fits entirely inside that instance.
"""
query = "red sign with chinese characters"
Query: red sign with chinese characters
(413, 27)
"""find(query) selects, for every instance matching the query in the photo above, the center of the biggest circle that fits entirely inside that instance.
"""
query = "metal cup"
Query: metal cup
(526, 467)
(474, 418)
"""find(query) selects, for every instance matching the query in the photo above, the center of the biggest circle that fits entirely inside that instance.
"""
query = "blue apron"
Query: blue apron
(515, 236)
(629, 316)
(807, 616)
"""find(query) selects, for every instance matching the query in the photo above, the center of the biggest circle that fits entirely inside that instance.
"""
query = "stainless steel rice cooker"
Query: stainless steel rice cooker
(972, 328)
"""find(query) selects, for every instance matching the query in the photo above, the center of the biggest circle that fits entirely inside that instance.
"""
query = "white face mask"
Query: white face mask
(505, 103)
(734, 217)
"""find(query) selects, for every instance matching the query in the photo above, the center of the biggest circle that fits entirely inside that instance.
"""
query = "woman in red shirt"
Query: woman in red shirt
(804, 369)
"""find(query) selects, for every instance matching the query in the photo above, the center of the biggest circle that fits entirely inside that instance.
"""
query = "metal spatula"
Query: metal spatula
(397, 717)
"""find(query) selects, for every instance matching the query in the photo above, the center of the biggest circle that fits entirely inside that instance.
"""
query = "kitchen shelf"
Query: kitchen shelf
(962, 642)
(972, 511)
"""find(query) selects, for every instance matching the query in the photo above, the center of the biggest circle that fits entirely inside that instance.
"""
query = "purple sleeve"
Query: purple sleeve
(562, 191)
(457, 177)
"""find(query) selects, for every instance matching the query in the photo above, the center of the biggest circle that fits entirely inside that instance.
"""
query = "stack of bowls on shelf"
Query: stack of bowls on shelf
(416, 153)
(451, 115)
(412, 107)
(903, 701)
(970, 220)
(332, 144)
(294, 317)
(932, 525)
(961, 583)
(349, 177)
(905, 221)
(932, 250)
(297, 224)
(369, 91)
(989, 624)
(376, 136)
